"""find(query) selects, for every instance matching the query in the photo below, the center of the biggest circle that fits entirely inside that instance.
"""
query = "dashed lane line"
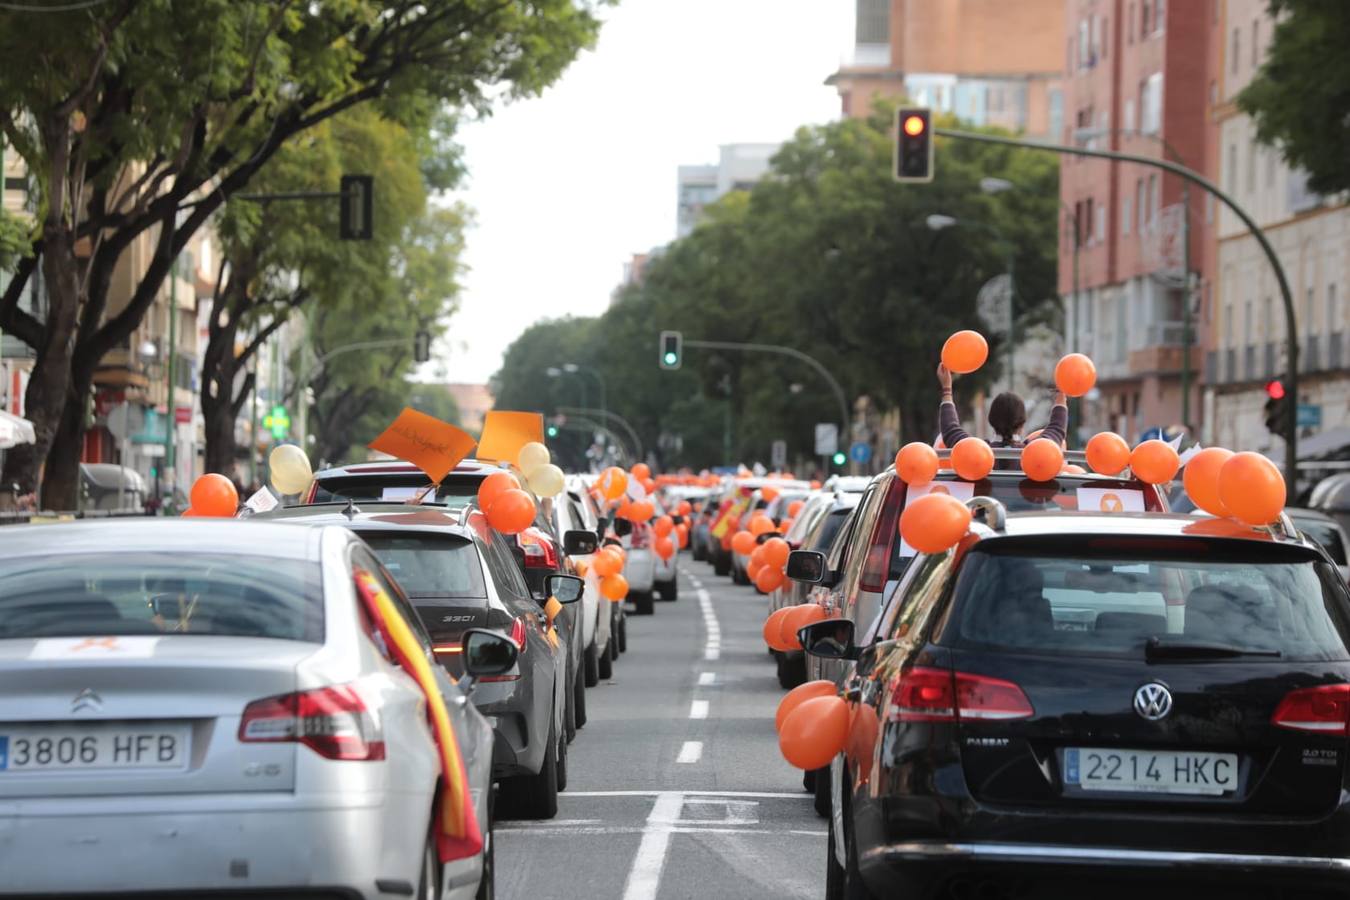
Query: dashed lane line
(691, 752)
(707, 679)
(698, 709)
(645, 877)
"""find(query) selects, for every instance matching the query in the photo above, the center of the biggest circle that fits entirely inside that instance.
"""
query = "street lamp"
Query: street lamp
(940, 222)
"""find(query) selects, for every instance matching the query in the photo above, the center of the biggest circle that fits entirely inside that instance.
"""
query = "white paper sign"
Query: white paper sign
(400, 493)
(263, 501)
(1110, 500)
(1191, 453)
(961, 490)
(112, 647)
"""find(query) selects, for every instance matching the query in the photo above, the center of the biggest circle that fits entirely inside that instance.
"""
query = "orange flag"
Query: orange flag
(504, 433)
(433, 446)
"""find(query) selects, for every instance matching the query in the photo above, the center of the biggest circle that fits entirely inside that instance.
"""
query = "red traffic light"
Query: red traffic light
(1275, 389)
(914, 125)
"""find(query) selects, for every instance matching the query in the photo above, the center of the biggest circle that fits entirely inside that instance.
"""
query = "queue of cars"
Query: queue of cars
(1089, 692)
(274, 699)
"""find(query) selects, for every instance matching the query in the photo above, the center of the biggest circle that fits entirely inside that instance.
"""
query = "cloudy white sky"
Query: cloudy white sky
(567, 186)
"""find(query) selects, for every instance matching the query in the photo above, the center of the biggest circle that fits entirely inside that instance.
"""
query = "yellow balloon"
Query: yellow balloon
(546, 481)
(291, 472)
(532, 456)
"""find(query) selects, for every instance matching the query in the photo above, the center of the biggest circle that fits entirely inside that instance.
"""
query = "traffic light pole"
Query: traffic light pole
(1193, 177)
(614, 417)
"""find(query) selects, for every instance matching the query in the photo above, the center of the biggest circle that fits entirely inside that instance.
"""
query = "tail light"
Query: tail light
(332, 721)
(1325, 710)
(936, 695)
(539, 551)
(877, 564)
(518, 638)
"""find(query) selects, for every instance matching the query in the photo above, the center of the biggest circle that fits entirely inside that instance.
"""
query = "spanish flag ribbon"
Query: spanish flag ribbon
(458, 835)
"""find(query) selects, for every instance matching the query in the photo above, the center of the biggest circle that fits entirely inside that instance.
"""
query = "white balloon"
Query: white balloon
(532, 456)
(291, 472)
(546, 481)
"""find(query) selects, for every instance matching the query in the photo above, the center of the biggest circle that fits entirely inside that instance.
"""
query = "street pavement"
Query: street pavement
(675, 786)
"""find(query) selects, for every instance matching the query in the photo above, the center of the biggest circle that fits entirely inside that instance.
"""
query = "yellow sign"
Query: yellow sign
(433, 446)
(504, 433)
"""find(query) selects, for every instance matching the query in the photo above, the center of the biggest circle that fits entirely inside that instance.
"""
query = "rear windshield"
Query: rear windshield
(455, 492)
(1326, 534)
(430, 565)
(157, 593)
(1115, 599)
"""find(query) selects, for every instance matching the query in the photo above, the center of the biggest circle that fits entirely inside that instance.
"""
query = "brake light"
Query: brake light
(539, 552)
(935, 695)
(518, 638)
(877, 565)
(1325, 710)
(334, 722)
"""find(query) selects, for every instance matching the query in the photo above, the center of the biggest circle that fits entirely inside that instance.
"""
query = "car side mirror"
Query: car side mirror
(623, 527)
(580, 543)
(564, 588)
(829, 639)
(807, 566)
(487, 652)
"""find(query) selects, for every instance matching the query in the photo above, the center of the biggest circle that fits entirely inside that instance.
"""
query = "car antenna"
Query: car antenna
(351, 510)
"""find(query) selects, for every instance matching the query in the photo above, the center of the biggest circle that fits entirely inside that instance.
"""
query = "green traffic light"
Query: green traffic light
(839, 459)
(553, 431)
(671, 358)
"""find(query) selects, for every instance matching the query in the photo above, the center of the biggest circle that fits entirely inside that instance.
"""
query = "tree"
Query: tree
(1299, 97)
(280, 256)
(142, 117)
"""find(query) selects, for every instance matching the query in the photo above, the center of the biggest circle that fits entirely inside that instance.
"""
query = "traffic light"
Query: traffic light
(422, 346)
(356, 205)
(672, 349)
(551, 431)
(913, 145)
(839, 458)
(1277, 406)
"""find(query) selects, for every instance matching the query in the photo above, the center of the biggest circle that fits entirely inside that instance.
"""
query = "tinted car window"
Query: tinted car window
(829, 528)
(455, 492)
(1112, 601)
(429, 565)
(363, 561)
(155, 593)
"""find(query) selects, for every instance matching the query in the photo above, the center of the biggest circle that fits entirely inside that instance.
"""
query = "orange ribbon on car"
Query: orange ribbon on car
(457, 834)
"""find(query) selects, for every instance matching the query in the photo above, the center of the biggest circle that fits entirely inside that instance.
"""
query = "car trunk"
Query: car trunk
(141, 714)
(447, 619)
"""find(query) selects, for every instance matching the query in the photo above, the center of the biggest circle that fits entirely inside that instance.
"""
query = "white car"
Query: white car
(571, 515)
(196, 705)
(639, 567)
(664, 583)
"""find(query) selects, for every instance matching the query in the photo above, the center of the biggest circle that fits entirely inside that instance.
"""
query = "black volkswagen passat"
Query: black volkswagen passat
(1084, 702)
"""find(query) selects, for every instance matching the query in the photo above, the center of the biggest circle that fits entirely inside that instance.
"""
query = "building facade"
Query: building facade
(1132, 266)
(1246, 320)
(739, 168)
(988, 62)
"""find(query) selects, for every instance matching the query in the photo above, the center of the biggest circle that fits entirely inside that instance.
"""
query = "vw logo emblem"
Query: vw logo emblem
(1153, 701)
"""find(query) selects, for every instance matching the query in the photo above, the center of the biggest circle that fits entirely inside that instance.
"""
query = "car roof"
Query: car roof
(374, 516)
(1060, 523)
(241, 537)
(402, 467)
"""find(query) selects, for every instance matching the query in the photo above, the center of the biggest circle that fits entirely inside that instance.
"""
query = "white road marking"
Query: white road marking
(711, 653)
(691, 752)
(712, 647)
(706, 678)
(698, 709)
(645, 877)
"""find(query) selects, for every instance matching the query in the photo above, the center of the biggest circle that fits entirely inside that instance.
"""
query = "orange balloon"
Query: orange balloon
(769, 493)
(757, 555)
(613, 482)
(650, 485)
(799, 695)
(916, 463)
(934, 522)
(665, 547)
(771, 628)
(769, 579)
(663, 526)
(760, 524)
(815, 484)
(684, 509)
(814, 733)
(726, 540)
(1201, 479)
(189, 513)
(641, 471)
(1252, 488)
(972, 458)
(494, 486)
(801, 616)
(1075, 374)
(795, 508)
(784, 525)
(1155, 462)
(214, 496)
(753, 568)
(863, 730)
(1042, 460)
(743, 543)
(642, 511)
(1074, 469)
(682, 532)
(965, 352)
(613, 587)
(512, 512)
(1108, 453)
(776, 552)
(624, 510)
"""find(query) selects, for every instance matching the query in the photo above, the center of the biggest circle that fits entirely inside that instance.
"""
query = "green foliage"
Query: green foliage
(15, 241)
(1300, 99)
(831, 257)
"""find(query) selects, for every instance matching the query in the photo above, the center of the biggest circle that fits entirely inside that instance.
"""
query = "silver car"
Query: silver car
(202, 705)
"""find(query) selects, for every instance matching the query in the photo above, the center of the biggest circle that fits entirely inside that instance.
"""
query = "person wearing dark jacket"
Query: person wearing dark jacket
(1007, 416)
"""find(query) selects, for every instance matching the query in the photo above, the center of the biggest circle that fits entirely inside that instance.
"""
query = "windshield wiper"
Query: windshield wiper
(1189, 648)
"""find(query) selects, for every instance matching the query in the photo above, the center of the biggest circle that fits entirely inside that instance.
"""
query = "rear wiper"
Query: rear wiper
(1157, 648)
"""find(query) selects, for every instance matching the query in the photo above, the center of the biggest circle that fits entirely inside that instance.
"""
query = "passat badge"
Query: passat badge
(1153, 701)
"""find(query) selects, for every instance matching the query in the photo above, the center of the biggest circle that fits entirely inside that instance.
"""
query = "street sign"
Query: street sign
(119, 421)
(278, 422)
(778, 455)
(1309, 415)
(860, 452)
(827, 439)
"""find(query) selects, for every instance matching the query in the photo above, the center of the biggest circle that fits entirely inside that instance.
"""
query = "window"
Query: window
(1333, 314)
(1230, 171)
(1236, 51)
(1271, 157)
(1247, 322)
(1084, 45)
(1126, 212)
(1228, 317)
(1145, 9)
(1129, 115)
(429, 565)
(1088, 222)
(1150, 107)
(1310, 300)
(1154, 201)
(1251, 170)
(1101, 222)
(1104, 37)
(1159, 14)
(1256, 43)
(1096, 40)
(1141, 203)
(1129, 25)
